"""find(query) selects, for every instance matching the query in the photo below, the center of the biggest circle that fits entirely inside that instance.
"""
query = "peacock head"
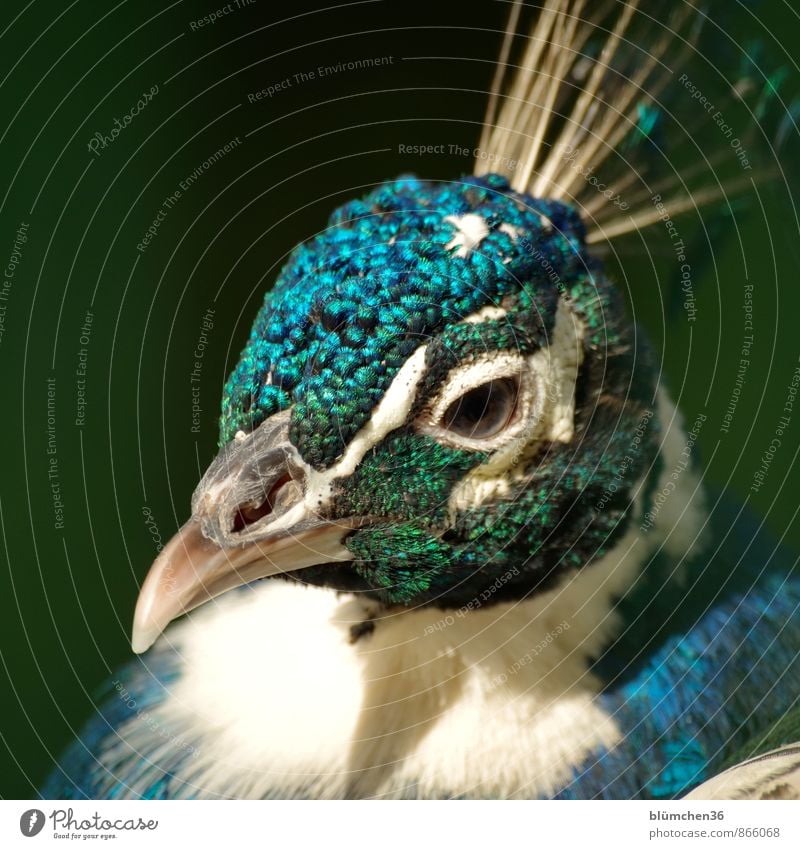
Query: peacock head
(441, 395)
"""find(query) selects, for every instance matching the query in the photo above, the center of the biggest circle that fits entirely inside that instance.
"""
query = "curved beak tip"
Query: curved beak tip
(191, 570)
(147, 626)
(142, 638)
(173, 585)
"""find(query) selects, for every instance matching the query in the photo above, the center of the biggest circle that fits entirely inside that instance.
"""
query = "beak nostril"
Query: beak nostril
(249, 513)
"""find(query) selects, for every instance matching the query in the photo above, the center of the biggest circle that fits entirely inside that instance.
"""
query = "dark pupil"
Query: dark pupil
(484, 411)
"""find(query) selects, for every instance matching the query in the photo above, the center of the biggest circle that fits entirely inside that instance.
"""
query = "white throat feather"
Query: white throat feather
(278, 700)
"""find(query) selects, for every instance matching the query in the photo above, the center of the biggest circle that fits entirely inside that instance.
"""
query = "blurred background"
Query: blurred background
(159, 162)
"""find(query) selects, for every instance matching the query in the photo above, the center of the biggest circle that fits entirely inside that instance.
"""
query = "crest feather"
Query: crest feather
(597, 96)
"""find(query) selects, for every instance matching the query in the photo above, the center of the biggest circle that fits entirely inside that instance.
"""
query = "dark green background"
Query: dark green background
(67, 596)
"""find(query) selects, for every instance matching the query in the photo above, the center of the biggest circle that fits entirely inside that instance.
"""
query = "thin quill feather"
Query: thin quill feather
(586, 94)
(616, 119)
(589, 94)
(499, 74)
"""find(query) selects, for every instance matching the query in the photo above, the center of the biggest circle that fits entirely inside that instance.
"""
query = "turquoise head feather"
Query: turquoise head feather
(518, 344)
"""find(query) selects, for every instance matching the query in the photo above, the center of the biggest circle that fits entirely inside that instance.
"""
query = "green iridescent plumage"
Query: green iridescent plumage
(355, 301)
(386, 277)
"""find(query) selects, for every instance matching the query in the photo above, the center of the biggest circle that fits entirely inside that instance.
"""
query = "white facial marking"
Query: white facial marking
(563, 356)
(511, 230)
(390, 413)
(471, 230)
(489, 313)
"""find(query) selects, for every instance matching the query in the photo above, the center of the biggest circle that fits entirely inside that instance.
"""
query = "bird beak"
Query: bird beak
(207, 558)
(192, 570)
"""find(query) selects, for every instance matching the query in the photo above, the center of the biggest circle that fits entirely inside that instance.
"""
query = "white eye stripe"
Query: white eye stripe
(390, 413)
(488, 313)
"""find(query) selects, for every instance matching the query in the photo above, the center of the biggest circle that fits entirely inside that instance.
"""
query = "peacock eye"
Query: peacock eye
(484, 411)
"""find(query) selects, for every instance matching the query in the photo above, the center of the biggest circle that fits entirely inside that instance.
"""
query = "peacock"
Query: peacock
(455, 543)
